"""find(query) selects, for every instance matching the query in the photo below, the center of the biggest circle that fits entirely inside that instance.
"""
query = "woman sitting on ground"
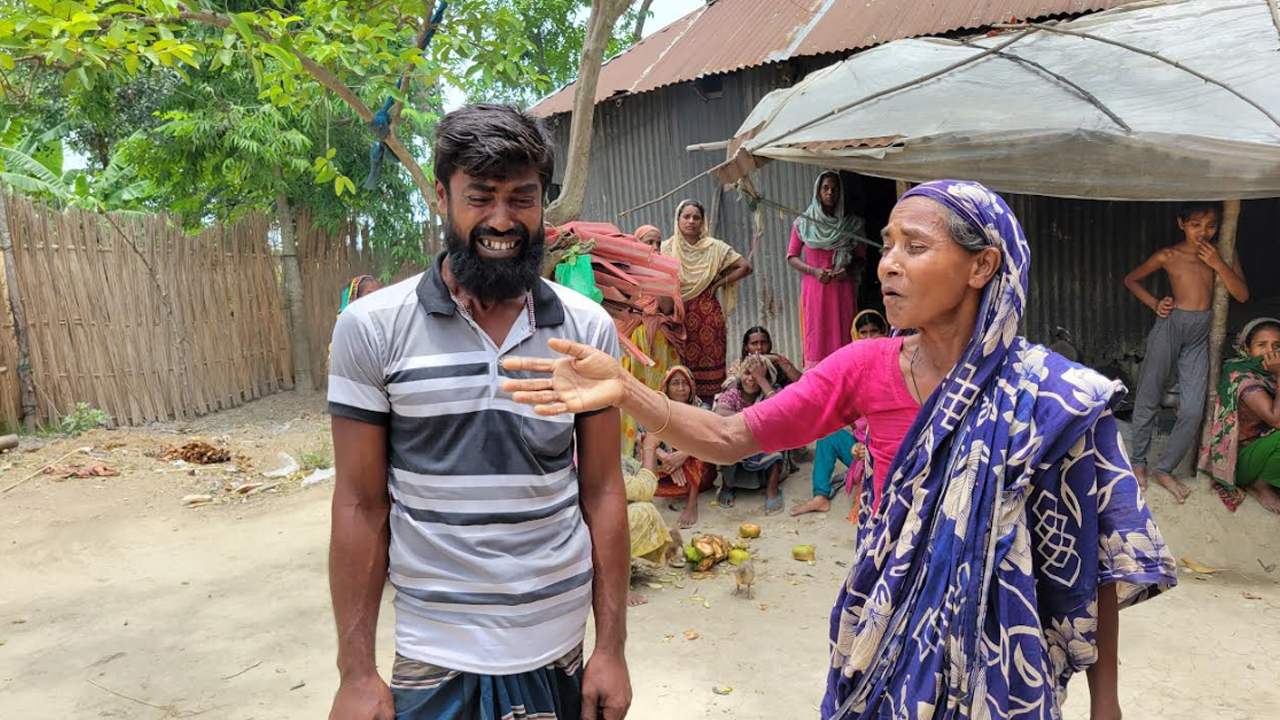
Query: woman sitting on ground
(679, 473)
(749, 382)
(758, 341)
(650, 538)
(1244, 454)
(1011, 528)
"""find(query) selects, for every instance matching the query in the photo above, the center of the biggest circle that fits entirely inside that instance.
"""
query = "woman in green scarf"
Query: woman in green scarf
(1243, 455)
(826, 246)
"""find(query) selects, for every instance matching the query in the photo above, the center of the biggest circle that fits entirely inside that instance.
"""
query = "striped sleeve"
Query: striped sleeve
(357, 379)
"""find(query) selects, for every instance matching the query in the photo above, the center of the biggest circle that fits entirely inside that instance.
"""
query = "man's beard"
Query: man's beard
(498, 279)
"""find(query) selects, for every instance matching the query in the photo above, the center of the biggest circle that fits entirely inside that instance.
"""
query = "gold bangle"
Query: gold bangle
(668, 422)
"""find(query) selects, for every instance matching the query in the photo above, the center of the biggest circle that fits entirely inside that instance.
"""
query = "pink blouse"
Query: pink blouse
(861, 380)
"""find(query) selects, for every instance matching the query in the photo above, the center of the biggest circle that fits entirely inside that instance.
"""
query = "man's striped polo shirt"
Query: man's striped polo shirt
(490, 557)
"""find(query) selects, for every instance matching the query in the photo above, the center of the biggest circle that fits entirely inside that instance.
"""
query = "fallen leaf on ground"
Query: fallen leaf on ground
(668, 638)
(1203, 577)
(1249, 596)
(706, 604)
(79, 471)
(1197, 567)
(198, 452)
(722, 690)
(691, 635)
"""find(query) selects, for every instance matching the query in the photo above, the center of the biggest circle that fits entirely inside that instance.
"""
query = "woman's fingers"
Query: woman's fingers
(551, 409)
(570, 348)
(543, 397)
(526, 386)
(528, 364)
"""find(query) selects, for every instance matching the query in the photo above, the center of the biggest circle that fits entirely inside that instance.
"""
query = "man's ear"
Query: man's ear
(442, 196)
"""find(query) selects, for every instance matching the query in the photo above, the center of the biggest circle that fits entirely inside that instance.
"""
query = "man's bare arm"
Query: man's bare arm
(604, 507)
(359, 540)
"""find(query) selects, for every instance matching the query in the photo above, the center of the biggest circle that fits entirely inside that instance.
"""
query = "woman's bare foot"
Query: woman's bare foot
(1140, 473)
(689, 517)
(1266, 495)
(1179, 490)
(635, 599)
(817, 503)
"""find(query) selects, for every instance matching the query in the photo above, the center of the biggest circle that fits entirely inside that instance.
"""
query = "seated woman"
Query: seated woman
(679, 473)
(843, 444)
(758, 341)
(750, 381)
(1244, 453)
(650, 538)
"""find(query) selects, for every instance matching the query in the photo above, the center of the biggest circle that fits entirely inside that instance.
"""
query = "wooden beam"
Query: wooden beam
(708, 147)
(1221, 308)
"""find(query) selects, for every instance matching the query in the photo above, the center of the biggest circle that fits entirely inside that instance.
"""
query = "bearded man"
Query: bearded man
(499, 529)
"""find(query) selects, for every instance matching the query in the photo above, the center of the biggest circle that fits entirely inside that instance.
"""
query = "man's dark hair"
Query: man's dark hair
(487, 141)
(1187, 209)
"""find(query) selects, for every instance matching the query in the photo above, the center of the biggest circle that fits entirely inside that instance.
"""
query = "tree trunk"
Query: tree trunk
(604, 15)
(26, 386)
(637, 33)
(294, 298)
(1221, 308)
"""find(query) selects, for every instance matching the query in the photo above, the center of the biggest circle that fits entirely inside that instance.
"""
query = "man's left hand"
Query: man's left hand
(606, 687)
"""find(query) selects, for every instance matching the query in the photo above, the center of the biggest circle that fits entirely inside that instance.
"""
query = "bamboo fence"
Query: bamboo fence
(138, 318)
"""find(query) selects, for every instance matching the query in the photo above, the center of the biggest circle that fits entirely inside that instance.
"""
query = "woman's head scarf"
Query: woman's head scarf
(351, 292)
(701, 262)
(1218, 457)
(943, 599)
(640, 231)
(688, 376)
(821, 231)
(857, 320)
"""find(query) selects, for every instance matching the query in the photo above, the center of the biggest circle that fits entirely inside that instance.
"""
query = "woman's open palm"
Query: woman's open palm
(585, 380)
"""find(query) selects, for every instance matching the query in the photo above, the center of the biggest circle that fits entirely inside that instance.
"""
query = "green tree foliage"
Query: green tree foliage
(555, 30)
(298, 52)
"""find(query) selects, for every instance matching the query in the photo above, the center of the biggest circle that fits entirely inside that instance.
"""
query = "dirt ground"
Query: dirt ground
(116, 601)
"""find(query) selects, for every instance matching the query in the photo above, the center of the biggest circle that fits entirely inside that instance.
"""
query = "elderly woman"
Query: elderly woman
(1243, 455)
(706, 266)
(1011, 528)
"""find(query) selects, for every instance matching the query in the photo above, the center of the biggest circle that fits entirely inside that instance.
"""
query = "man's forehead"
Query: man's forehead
(510, 179)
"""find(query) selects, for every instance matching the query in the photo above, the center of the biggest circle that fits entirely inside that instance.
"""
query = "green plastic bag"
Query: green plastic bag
(575, 272)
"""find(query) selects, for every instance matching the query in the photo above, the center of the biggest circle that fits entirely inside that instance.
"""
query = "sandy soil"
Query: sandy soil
(224, 610)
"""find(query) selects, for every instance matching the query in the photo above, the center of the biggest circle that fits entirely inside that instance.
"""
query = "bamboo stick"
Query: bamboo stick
(1221, 308)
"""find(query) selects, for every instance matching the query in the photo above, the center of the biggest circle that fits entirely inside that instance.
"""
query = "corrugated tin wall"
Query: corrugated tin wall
(1081, 249)
(640, 154)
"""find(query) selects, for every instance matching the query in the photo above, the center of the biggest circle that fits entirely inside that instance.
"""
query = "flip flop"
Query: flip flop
(774, 506)
(724, 498)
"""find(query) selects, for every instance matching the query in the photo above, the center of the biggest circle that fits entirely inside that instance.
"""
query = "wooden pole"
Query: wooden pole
(26, 385)
(1221, 308)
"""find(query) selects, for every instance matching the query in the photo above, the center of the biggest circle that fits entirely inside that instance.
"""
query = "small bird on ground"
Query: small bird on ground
(745, 576)
(675, 551)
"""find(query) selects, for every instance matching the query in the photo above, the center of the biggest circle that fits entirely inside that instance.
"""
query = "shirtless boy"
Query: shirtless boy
(1181, 336)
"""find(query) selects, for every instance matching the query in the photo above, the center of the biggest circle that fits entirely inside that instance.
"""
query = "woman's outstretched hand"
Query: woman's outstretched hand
(585, 380)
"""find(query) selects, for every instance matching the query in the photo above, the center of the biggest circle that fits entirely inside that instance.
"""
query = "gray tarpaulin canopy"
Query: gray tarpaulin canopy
(1050, 113)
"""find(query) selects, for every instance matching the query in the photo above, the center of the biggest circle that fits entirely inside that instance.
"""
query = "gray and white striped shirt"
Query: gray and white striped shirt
(490, 557)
